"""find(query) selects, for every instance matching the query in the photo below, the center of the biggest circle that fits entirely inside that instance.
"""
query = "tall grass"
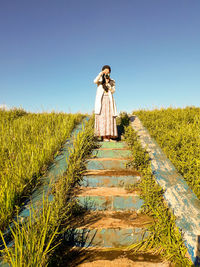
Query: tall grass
(28, 143)
(35, 240)
(10, 115)
(177, 133)
(32, 243)
(165, 239)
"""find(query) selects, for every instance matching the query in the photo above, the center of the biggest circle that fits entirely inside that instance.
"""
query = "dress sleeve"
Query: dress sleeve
(97, 79)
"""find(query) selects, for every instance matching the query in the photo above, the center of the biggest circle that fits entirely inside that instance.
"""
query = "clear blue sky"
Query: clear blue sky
(51, 51)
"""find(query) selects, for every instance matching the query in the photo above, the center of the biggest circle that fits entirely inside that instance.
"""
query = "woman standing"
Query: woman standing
(105, 107)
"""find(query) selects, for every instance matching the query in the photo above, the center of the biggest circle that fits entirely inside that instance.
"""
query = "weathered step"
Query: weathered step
(108, 257)
(102, 237)
(109, 181)
(124, 262)
(106, 163)
(110, 229)
(123, 172)
(109, 198)
(113, 145)
(111, 153)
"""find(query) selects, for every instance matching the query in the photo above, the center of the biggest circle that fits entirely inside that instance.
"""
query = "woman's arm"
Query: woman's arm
(96, 80)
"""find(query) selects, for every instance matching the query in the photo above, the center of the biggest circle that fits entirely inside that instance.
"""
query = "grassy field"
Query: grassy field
(177, 131)
(37, 239)
(28, 144)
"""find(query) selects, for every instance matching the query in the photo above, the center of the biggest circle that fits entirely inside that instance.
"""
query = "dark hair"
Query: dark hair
(106, 67)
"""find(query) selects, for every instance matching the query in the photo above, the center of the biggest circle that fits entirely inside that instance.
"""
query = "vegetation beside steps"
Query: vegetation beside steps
(28, 144)
(42, 238)
(36, 239)
(165, 239)
(176, 130)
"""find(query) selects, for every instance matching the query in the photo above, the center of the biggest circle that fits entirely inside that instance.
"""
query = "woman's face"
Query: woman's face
(106, 71)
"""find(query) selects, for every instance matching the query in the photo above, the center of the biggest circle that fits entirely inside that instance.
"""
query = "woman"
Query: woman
(105, 108)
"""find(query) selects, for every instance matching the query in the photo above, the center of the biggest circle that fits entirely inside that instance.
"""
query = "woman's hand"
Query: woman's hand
(107, 80)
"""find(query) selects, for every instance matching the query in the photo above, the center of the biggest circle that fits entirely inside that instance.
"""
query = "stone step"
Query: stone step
(113, 145)
(111, 153)
(109, 229)
(109, 257)
(109, 181)
(124, 172)
(109, 198)
(112, 219)
(109, 238)
(124, 262)
(106, 163)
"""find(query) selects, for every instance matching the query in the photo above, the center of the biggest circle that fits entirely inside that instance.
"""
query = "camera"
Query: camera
(105, 76)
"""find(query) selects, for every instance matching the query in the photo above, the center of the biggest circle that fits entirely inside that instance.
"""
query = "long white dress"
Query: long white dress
(105, 121)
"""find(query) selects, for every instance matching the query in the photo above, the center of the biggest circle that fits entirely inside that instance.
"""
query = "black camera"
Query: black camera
(105, 76)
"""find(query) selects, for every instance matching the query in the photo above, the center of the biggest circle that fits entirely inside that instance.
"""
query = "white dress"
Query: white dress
(105, 119)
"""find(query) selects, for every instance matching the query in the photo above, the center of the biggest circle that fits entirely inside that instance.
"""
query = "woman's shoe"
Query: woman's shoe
(106, 140)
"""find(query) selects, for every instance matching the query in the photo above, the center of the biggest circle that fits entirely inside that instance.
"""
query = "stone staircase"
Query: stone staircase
(113, 219)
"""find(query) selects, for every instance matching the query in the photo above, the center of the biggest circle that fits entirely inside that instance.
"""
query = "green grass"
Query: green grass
(10, 115)
(28, 144)
(37, 238)
(165, 238)
(176, 130)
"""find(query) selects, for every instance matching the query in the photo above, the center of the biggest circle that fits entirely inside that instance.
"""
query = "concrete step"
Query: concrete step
(109, 181)
(107, 237)
(109, 229)
(124, 262)
(124, 172)
(111, 153)
(112, 220)
(106, 163)
(113, 145)
(108, 257)
(109, 198)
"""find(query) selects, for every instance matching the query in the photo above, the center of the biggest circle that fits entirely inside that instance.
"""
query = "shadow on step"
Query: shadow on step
(77, 256)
